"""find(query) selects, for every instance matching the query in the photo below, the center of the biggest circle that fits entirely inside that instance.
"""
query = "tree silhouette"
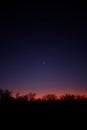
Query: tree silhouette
(5, 94)
(17, 95)
(21, 97)
(68, 97)
(81, 98)
(49, 97)
(25, 97)
(1, 94)
(31, 96)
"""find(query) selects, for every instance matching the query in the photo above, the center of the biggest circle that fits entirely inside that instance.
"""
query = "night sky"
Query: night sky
(43, 47)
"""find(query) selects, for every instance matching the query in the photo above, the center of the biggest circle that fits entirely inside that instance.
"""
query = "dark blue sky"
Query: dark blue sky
(43, 47)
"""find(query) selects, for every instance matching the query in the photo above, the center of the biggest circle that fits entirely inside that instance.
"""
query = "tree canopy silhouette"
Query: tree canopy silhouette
(5, 94)
(49, 97)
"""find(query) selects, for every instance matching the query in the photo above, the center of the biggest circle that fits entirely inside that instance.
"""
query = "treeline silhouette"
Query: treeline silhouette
(47, 110)
(6, 95)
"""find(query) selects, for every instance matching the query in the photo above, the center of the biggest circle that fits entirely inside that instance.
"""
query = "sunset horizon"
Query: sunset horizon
(40, 94)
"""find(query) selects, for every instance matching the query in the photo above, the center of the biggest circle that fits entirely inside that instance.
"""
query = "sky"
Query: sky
(43, 47)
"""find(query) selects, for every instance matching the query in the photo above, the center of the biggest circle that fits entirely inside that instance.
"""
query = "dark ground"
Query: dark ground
(43, 114)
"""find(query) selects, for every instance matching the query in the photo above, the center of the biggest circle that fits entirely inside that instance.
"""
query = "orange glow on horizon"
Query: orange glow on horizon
(40, 94)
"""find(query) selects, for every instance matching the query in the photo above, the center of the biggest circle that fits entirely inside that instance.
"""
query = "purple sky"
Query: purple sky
(43, 48)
